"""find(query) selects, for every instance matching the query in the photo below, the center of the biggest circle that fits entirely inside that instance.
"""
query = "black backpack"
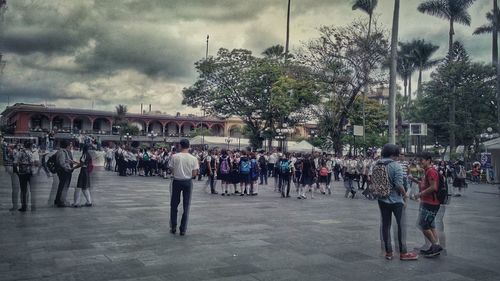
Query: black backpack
(52, 163)
(443, 195)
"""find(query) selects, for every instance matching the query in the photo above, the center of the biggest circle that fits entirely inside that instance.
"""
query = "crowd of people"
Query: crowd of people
(242, 172)
(235, 172)
(29, 166)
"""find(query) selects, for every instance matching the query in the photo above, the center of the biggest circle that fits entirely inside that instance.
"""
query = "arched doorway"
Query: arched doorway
(61, 123)
(101, 126)
(217, 130)
(39, 123)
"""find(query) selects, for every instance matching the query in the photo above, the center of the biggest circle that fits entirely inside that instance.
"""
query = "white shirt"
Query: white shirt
(183, 165)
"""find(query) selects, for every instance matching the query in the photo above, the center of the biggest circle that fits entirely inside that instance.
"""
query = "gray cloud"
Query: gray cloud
(70, 52)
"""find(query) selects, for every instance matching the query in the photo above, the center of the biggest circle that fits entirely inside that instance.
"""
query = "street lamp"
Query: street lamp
(228, 140)
(128, 137)
(152, 135)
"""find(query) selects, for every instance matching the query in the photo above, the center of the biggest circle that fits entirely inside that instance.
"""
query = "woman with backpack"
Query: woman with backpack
(23, 165)
(323, 176)
(83, 182)
(224, 172)
(459, 179)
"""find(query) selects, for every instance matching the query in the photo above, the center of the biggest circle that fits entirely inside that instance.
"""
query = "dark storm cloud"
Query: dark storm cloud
(131, 50)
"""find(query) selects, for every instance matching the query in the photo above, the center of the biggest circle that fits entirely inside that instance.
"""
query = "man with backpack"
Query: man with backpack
(387, 186)
(285, 171)
(430, 201)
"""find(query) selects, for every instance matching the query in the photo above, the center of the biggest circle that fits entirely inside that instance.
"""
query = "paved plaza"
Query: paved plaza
(125, 237)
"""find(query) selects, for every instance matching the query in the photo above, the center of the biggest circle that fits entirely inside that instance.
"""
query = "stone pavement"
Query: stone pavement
(125, 237)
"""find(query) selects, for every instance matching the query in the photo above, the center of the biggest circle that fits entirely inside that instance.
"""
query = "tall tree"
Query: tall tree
(368, 6)
(422, 54)
(406, 66)
(475, 88)
(453, 11)
(235, 83)
(337, 61)
(393, 73)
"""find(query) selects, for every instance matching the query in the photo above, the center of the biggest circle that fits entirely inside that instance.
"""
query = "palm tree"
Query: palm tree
(422, 53)
(488, 28)
(368, 6)
(453, 11)
(406, 66)
(392, 73)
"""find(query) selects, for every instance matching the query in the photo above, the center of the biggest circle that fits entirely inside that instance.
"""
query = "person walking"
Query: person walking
(184, 167)
(388, 175)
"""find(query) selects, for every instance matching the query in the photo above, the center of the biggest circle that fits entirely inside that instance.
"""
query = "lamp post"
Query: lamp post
(313, 134)
(128, 137)
(228, 140)
(282, 136)
(152, 135)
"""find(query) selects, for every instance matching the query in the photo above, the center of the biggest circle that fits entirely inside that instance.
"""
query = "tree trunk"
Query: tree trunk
(405, 85)
(393, 73)
(452, 97)
(409, 88)
(419, 89)
(495, 59)
(495, 33)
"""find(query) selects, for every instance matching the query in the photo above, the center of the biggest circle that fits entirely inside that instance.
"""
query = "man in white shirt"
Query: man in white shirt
(184, 168)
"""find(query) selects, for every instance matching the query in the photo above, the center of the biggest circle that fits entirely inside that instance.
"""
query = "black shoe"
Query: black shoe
(215, 192)
(435, 250)
(173, 230)
(22, 210)
(62, 205)
(353, 194)
(243, 194)
(182, 233)
(88, 205)
(236, 192)
(223, 194)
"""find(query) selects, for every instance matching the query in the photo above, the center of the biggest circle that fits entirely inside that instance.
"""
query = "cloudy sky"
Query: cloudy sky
(75, 53)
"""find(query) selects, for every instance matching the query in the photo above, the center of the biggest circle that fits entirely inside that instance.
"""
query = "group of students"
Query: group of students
(137, 161)
(28, 165)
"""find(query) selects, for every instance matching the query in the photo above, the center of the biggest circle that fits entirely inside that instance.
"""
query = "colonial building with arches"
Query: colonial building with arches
(37, 120)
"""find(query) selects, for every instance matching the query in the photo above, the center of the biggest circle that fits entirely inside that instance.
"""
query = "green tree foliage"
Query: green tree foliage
(338, 61)
(474, 87)
(235, 83)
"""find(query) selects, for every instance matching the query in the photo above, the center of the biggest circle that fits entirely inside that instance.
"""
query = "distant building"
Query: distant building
(32, 120)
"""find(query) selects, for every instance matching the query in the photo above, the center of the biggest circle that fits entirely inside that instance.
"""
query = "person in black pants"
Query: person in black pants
(64, 170)
(184, 167)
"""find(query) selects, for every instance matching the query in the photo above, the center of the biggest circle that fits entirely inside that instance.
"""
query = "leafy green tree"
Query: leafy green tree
(473, 85)
(455, 11)
(235, 83)
(337, 61)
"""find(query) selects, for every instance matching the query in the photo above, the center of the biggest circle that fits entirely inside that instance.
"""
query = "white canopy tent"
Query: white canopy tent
(303, 146)
(493, 146)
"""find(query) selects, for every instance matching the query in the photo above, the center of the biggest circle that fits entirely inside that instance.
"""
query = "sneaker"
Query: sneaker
(299, 197)
(223, 194)
(408, 256)
(388, 256)
(435, 250)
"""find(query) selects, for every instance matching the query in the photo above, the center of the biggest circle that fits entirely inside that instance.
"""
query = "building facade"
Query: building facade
(31, 120)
